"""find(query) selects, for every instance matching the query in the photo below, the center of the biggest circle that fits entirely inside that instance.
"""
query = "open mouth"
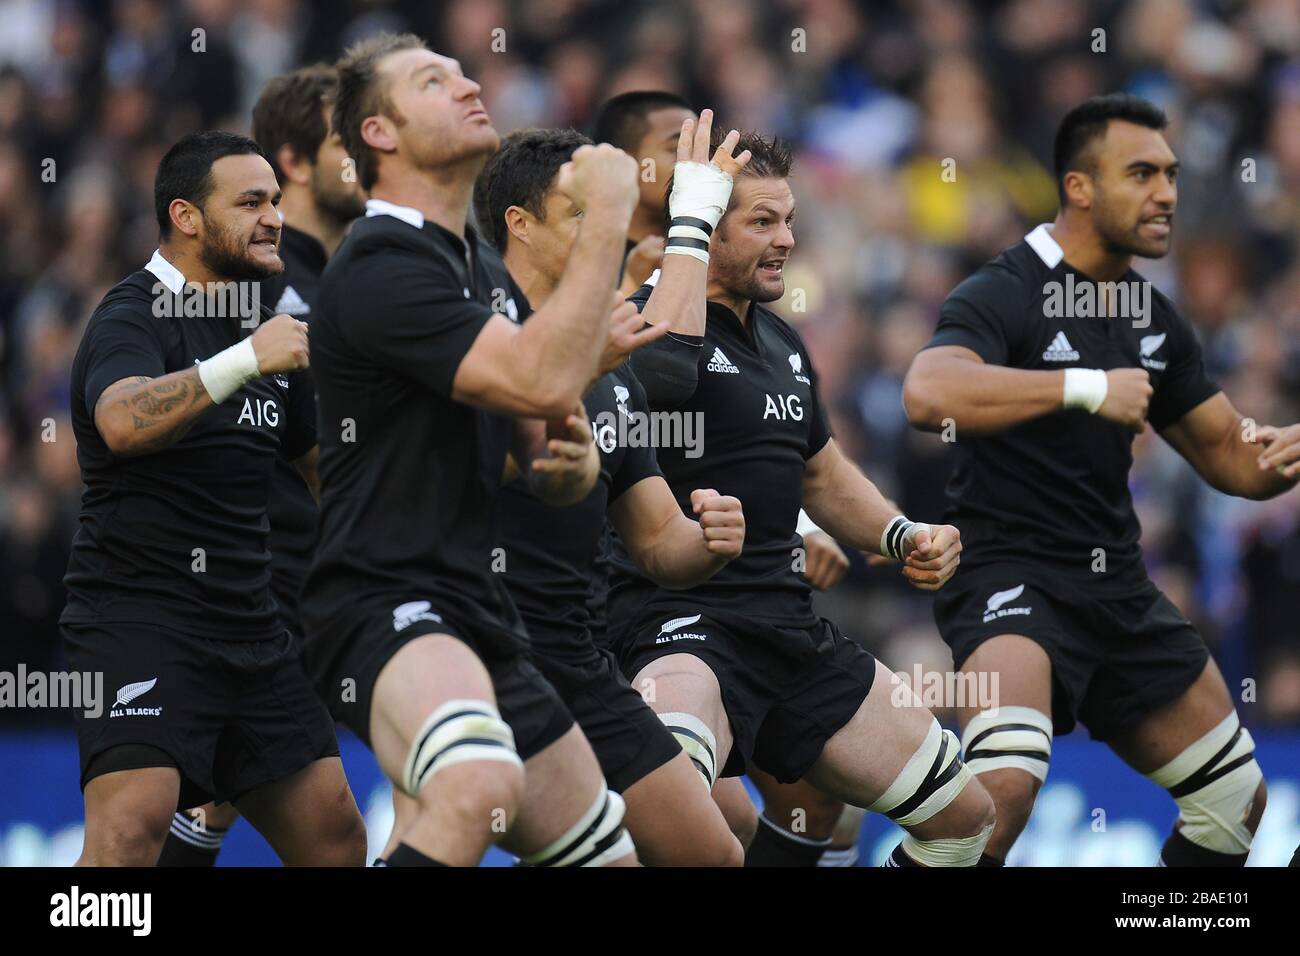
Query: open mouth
(1160, 225)
(772, 268)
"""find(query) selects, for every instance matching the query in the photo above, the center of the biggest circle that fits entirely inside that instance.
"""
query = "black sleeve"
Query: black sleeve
(819, 428)
(121, 343)
(669, 367)
(300, 425)
(410, 314)
(1184, 384)
(639, 462)
(981, 314)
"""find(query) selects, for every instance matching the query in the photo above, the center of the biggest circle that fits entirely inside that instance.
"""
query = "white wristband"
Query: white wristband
(227, 371)
(895, 533)
(700, 191)
(1085, 388)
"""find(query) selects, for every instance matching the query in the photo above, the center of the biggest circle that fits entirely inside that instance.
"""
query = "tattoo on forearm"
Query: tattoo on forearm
(155, 404)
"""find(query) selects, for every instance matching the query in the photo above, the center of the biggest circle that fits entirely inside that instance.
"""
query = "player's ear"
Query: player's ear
(379, 133)
(1078, 189)
(185, 216)
(517, 223)
(295, 168)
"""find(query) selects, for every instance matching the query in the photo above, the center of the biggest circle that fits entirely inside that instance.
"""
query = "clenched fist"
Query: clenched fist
(1128, 395)
(601, 177)
(281, 345)
(721, 521)
(933, 553)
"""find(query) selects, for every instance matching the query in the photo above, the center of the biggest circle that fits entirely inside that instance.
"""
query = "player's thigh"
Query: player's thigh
(865, 756)
(423, 675)
(128, 813)
(683, 683)
(1018, 667)
(309, 817)
(562, 782)
(674, 821)
(1021, 671)
(1171, 729)
(214, 816)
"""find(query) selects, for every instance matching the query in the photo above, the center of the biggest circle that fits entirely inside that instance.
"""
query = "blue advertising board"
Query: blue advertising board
(1093, 810)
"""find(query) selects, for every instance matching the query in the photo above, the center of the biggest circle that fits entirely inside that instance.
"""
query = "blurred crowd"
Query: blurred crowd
(881, 97)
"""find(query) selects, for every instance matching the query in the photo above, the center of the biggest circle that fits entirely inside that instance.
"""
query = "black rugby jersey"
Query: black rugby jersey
(178, 537)
(409, 476)
(553, 555)
(292, 509)
(756, 404)
(1053, 490)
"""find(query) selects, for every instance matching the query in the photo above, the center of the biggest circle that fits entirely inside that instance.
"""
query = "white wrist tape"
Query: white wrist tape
(1085, 388)
(899, 534)
(698, 201)
(227, 371)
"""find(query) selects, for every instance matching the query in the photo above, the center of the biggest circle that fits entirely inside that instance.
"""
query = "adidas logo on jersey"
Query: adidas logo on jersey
(720, 363)
(995, 609)
(1060, 350)
(1148, 346)
(291, 303)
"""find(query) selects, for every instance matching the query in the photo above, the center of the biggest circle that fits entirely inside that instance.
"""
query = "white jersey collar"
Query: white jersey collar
(1041, 241)
(165, 272)
(409, 215)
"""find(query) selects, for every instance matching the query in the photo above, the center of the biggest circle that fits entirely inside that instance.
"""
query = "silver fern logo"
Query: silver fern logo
(994, 609)
(128, 693)
(670, 626)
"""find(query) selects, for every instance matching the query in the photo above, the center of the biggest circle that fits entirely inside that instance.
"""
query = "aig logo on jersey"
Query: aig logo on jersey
(259, 412)
(996, 609)
(783, 408)
(404, 615)
(796, 366)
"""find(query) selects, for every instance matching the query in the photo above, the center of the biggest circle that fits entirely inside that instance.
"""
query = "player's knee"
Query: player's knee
(340, 839)
(1219, 789)
(598, 838)
(132, 838)
(697, 741)
(934, 783)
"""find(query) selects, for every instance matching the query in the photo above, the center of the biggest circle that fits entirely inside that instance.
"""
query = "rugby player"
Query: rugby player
(319, 199)
(424, 377)
(551, 552)
(1053, 597)
(179, 416)
(743, 670)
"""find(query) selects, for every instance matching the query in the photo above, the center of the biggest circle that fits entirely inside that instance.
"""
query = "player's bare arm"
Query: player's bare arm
(627, 333)
(1231, 455)
(559, 470)
(850, 508)
(701, 191)
(542, 368)
(141, 415)
(668, 547)
(952, 383)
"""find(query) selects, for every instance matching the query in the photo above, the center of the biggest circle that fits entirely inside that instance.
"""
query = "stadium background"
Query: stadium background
(876, 95)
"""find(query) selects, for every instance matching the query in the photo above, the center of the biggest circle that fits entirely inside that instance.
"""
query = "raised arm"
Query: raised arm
(143, 414)
(951, 383)
(541, 369)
